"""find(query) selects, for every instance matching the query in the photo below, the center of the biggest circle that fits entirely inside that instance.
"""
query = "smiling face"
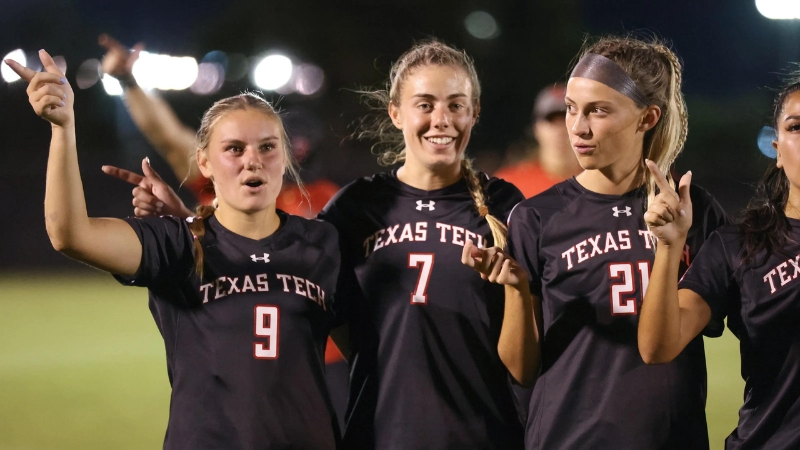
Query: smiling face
(245, 158)
(436, 114)
(788, 143)
(606, 128)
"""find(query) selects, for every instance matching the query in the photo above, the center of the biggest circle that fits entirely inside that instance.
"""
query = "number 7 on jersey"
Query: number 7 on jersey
(425, 262)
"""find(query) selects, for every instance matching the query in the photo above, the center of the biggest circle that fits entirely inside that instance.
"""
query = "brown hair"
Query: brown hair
(389, 144)
(658, 73)
(241, 102)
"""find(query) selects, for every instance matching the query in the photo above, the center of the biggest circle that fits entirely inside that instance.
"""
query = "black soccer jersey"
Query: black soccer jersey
(426, 373)
(589, 257)
(245, 345)
(762, 304)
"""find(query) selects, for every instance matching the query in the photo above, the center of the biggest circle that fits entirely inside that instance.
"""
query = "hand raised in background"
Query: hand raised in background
(118, 60)
(151, 196)
(49, 93)
(669, 216)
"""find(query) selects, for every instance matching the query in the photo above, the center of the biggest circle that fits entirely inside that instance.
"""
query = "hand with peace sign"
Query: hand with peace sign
(48, 92)
(151, 196)
(495, 265)
(669, 216)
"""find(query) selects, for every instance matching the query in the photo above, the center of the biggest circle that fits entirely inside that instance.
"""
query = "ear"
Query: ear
(650, 118)
(476, 112)
(778, 160)
(394, 114)
(203, 165)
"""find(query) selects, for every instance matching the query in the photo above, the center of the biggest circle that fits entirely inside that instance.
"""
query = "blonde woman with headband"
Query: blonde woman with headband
(588, 253)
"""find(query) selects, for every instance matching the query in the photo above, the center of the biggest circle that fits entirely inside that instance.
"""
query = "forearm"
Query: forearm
(660, 317)
(64, 201)
(159, 125)
(519, 344)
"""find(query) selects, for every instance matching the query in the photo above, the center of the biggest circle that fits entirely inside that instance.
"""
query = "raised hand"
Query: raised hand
(495, 265)
(151, 196)
(118, 60)
(669, 216)
(48, 92)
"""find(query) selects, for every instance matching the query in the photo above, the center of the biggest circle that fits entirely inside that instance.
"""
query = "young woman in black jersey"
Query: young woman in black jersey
(241, 294)
(424, 329)
(746, 272)
(588, 252)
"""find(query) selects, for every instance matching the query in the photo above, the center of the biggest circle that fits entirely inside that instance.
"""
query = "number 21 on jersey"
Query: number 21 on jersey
(266, 329)
(622, 302)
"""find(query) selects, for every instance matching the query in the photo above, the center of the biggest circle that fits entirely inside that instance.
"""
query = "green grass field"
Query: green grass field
(82, 366)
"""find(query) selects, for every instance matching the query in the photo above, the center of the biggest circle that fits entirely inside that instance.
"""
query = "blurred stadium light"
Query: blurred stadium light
(481, 24)
(272, 72)
(111, 85)
(88, 73)
(309, 79)
(779, 9)
(165, 72)
(9, 75)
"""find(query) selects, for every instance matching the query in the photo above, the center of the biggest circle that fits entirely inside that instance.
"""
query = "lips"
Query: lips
(583, 148)
(254, 182)
(440, 140)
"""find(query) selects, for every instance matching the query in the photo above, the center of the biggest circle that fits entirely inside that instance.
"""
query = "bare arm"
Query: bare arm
(669, 318)
(173, 140)
(105, 243)
(519, 344)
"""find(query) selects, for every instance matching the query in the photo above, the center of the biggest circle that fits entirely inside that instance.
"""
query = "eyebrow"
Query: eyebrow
(449, 97)
(236, 141)
(607, 102)
(791, 118)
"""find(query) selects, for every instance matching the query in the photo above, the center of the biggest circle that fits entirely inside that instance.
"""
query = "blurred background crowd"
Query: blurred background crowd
(311, 57)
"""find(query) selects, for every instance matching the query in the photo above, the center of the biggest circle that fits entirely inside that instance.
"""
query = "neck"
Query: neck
(255, 226)
(427, 179)
(614, 180)
(792, 209)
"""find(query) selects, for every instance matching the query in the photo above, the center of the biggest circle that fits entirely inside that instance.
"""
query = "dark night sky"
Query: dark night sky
(731, 55)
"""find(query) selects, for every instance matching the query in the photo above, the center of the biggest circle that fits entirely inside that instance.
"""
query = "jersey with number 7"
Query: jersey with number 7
(426, 373)
(589, 257)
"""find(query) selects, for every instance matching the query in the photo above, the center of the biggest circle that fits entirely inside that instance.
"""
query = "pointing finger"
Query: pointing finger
(148, 171)
(48, 63)
(122, 174)
(24, 72)
(661, 180)
(466, 254)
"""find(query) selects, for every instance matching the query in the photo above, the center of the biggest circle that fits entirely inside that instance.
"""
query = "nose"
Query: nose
(440, 119)
(252, 159)
(580, 125)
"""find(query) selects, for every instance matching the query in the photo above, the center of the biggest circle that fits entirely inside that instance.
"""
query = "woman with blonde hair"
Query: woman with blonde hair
(242, 293)
(588, 253)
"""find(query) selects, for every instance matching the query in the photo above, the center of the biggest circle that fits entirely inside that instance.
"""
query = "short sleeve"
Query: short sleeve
(167, 253)
(710, 276)
(348, 291)
(524, 232)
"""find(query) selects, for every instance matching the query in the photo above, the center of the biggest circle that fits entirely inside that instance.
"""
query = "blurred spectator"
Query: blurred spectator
(552, 159)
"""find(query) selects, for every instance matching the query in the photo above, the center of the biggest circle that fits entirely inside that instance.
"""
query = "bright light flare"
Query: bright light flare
(88, 73)
(272, 72)
(779, 9)
(209, 80)
(309, 79)
(164, 72)
(111, 85)
(481, 24)
(9, 75)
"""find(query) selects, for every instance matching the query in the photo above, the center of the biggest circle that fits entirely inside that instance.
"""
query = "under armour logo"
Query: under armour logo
(421, 205)
(265, 258)
(617, 211)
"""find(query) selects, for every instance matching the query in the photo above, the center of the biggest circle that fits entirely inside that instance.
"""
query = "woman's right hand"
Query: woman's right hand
(495, 265)
(151, 196)
(118, 60)
(669, 216)
(49, 93)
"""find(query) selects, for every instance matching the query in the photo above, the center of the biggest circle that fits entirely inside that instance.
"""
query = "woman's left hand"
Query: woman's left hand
(495, 265)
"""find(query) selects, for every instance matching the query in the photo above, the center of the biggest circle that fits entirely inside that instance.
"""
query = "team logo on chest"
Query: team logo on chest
(264, 258)
(626, 211)
(429, 205)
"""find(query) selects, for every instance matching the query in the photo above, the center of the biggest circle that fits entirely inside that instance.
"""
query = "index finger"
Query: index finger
(661, 180)
(108, 42)
(24, 72)
(122, 174)
(49, 65)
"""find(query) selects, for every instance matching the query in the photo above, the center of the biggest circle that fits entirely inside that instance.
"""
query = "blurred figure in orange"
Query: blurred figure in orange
(552, 160)
(176, 143)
